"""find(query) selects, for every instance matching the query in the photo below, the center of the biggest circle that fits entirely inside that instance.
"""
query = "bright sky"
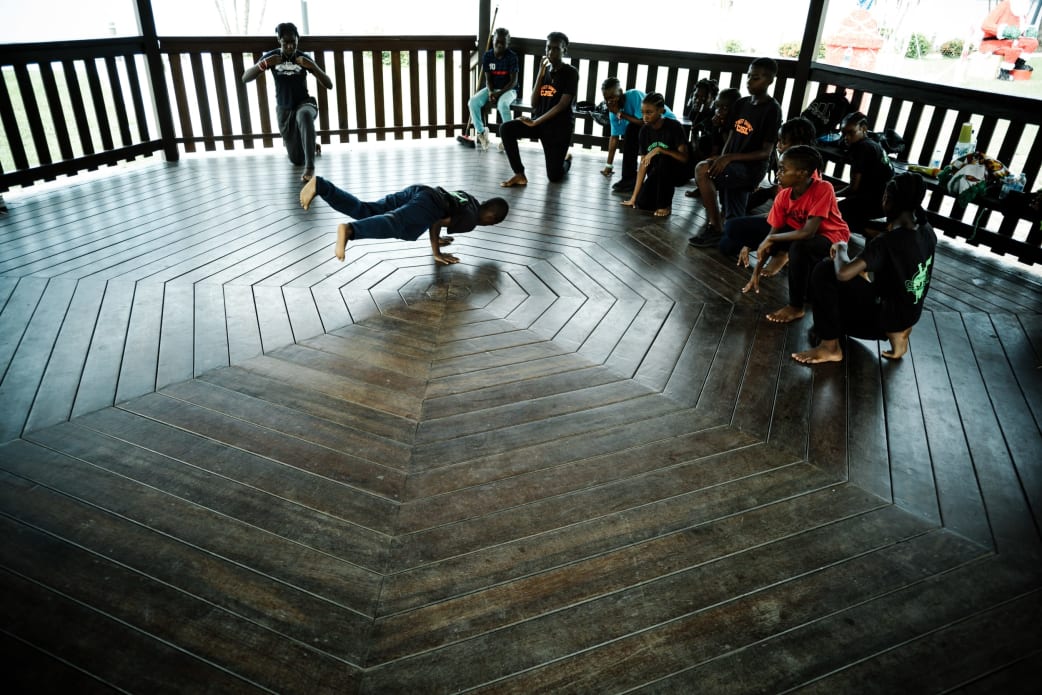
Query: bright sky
(776, 23)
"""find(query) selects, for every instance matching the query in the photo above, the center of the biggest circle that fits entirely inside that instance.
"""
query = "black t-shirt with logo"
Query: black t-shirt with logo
(556, 83)
(754, 125)
(291, 87)
(902, 263)
(669, 137)
(461, 208)
(868, 159)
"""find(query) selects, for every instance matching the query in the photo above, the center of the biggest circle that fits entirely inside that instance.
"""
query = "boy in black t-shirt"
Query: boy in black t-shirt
(755, 120)
(295, 110)
(406, 214)
(846, 303)
(552, 120)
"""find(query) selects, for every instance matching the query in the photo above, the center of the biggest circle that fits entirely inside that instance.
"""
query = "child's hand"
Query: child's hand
(304, 62)
(743, 257)
(754, 283)
(631, 203)
(608, 171)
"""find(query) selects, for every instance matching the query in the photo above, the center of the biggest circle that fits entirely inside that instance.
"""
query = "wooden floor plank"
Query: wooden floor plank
(15, 317)
(176, 335)
(172, 616)
(21, 381)
(1013, 632)
(272, 317)
(303, 313)
(959, 495)
(641, 607)
(61, 378)
(211, 334)
(698, 637)
(104, 357)
(244, 339)
(868, 466)
(38, 671)
(139, 345)
(162, 526)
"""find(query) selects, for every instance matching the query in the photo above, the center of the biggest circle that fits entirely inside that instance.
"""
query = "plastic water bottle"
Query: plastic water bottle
(1013, 184)
(935, 163)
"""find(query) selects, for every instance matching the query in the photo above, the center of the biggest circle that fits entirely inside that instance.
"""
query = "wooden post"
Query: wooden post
(808, 53)
(160, 95)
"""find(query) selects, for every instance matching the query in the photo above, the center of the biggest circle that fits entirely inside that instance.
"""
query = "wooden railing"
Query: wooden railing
(69, 107)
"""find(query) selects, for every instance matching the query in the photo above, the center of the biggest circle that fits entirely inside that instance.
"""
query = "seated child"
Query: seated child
(747, 151)
(500, 65)
(663, 145)
(742, 234)
(406, 214)
(714, 133)
(805, 222)
(700, 111)
(625, 121)
(901, 259)
(870, 171)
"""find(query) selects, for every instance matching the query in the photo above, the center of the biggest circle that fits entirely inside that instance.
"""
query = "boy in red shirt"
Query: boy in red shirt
(805, 221)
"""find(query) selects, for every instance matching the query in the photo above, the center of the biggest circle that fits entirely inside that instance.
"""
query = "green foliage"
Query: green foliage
(918, 46)
(952, 48)
(790, 49)
(735, 46)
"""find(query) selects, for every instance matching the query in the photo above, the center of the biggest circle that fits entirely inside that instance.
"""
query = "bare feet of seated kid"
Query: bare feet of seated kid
(663, 212)
(820, 354)
(898, 344)
(787, 314)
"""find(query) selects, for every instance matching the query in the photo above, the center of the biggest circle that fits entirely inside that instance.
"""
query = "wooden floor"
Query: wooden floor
(579, 461)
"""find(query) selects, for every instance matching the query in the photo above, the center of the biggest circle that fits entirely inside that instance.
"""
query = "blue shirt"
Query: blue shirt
(631, 101)
(500, 69)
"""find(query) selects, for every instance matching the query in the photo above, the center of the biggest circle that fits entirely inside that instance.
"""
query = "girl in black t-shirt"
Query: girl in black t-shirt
(664, 154)
(870, 171)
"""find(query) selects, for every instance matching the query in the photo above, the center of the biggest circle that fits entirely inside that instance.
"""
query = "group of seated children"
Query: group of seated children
(733, 141)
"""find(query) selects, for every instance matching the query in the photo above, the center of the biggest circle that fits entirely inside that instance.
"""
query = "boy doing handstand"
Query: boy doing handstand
(406, 214)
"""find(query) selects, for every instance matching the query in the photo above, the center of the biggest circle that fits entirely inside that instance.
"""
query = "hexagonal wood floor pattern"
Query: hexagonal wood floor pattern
(579, 461)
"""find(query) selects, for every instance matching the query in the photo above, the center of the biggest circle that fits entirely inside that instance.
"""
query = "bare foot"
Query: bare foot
(828, 351)
(308, 193)
(663, 212)
(787, 314)
(445, 240)
(515, 180)
(693, 193)
(775, 265)
(343, 232)
(631, 203)
(307, 175)
(898, 344)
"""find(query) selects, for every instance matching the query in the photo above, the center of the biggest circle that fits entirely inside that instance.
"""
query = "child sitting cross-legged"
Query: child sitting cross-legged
(805, 222)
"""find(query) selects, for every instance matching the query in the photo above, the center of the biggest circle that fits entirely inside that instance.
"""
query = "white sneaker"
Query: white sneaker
(482, 139)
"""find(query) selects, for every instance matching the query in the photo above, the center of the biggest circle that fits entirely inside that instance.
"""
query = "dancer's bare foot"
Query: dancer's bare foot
(828, 351)
(898, 344)
(515, 180)
(663, 212)
(445, 240)
(630, 203)
(308, 193)
(307, 175)
(343, 233)
(775, 265)
(787, 314)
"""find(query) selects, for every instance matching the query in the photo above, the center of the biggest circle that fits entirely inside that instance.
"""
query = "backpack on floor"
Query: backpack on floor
(971, 176)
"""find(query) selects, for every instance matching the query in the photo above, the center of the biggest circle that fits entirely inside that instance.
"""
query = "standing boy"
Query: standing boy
(295, 110)
(406, 214)
(500, 66)
(746, 154)
(552, 121)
